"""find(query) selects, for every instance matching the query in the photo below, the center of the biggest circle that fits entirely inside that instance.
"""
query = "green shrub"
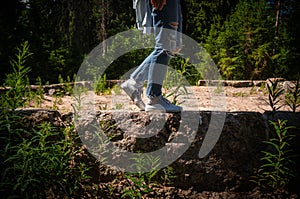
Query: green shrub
(39, 161)
(139, 183)
(100, 84)
(17, 83)
(292, 97)
(276, 171)
(275, 93)
(34, 160)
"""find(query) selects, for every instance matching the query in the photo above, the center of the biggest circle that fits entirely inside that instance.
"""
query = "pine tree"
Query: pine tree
(244, 45)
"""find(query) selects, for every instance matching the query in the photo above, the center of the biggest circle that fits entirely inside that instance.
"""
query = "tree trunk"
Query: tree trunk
(103, 25)
(277, 18)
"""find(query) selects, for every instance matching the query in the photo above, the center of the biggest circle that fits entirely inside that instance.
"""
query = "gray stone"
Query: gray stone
(229, 166)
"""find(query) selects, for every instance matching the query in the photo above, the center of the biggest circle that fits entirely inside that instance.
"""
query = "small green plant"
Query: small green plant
(57, 101)
(175, 93)
(175, 85)
(78, 94)
(253, 90)
(67, 84)
(100, 84)
(274, 94)
(168, 176)
(139, 183)
(262, 86)
(186, 69)
(292, 98)
(276, 171)
(239, 94)
(103, 106)
(39, 93)
(17, 82)
(19, 92)
(117, 89)
(119, 106)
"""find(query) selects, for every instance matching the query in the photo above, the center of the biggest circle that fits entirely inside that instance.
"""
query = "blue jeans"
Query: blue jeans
(167, 27)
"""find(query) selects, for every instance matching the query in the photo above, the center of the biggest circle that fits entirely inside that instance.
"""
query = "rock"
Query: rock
(233, 83)
(229, 166)
(239, 84)
(32, 117)
(51, 92)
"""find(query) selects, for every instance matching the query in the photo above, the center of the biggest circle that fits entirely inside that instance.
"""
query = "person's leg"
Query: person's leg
(141, 73)
(157, 72)
(166, 24)
(134, 85)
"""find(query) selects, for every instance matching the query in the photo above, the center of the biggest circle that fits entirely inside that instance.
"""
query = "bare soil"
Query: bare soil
(248, 99)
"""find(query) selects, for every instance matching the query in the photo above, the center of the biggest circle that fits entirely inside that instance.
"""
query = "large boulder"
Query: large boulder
(228, 166)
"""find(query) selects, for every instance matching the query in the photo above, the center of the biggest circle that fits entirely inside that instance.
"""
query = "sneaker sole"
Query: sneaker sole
(161, 110)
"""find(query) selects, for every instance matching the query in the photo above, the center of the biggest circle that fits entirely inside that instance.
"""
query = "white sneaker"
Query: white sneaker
(161, 104)
(134, 91)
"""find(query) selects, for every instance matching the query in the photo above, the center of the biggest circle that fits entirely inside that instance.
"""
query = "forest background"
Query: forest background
(247, 39)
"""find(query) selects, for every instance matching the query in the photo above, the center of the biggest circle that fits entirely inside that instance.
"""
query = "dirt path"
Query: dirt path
(200, 98)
